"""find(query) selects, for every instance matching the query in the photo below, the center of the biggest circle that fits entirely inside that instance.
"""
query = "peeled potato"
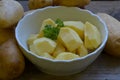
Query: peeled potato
(43, 45)
(11, 12)
(11, 60)
(92, 36)
(69, 38)
(31, 38)
(113, 44)
(47, 55)
(59, 48)
(66, 56)
(77, 26)
(82, 51)
(44, 23)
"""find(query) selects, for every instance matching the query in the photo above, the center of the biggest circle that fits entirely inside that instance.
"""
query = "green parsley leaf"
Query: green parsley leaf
(51, 32)
(59, 23)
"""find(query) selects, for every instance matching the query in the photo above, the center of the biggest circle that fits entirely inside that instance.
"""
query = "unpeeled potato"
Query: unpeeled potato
(77, 3)
(6, 34)
(11, 60)
(35, 4)
(11, 12)
(113, 44)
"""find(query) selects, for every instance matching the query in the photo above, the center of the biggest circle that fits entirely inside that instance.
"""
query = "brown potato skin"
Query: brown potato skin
(35, 4)
(113, 44)
(77, 3)
(6, 34)
(12, 62)
(11, 11)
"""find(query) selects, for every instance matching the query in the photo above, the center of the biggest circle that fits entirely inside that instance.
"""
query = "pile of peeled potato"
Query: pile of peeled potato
(65, 40)
(12, 62)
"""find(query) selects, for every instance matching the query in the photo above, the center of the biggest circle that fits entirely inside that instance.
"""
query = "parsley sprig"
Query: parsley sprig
(59, 23)
(52, 31)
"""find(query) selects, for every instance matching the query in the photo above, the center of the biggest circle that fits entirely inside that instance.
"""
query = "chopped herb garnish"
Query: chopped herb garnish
(51, 32)
(59, 23)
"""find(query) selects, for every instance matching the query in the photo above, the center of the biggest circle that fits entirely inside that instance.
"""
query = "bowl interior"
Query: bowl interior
(31, 23)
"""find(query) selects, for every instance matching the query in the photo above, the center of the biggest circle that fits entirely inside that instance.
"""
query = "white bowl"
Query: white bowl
(30, 24)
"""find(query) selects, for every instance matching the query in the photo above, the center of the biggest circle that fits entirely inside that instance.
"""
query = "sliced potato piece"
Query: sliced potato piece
(66, 56)
(59, 48)
(48, 21)
(82, 51)
(92, 36)
(47, 55)
(43, 45)
(32, 38)
(77, 26)
(69, 38)
(32, 48)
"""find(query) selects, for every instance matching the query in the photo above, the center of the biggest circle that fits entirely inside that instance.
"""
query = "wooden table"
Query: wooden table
(105, 67)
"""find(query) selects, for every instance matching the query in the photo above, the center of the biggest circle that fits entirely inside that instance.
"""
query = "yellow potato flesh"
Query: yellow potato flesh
(66, 56)
(77, 26)
(70, 38)
(92, 36)
(43, 45)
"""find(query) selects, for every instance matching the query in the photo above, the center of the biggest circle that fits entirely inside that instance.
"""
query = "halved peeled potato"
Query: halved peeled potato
(69, 38)
(59, 49)
(82, 51)
(47, 55)
(43, 45)
(31, 38)
(66, 56)
(48, 21)
(92, 36)
(77, 26)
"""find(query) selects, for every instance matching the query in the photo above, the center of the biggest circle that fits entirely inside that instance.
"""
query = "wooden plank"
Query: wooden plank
(109, 7)
(105, 67)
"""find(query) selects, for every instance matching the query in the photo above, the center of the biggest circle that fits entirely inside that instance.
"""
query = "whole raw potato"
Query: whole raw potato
(11, 60)
(6, 34)
(77, 3)
(113, 44)
(35, 4)
(10, 13)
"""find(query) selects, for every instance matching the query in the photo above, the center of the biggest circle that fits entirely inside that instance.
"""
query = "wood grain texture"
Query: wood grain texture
(105, 67)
